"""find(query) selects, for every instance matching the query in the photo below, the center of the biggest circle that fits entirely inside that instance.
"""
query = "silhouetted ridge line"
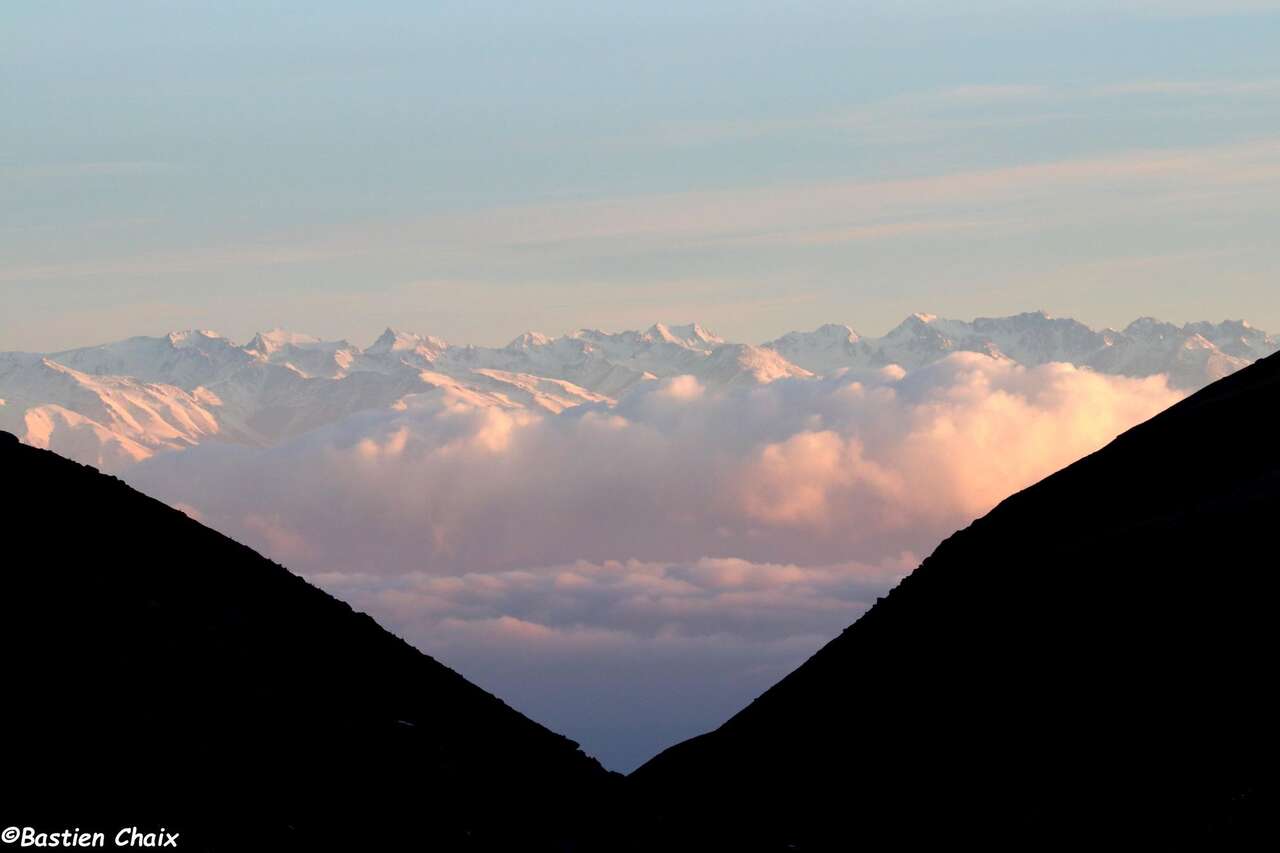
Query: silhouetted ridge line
(164, 673)
(1087, 661)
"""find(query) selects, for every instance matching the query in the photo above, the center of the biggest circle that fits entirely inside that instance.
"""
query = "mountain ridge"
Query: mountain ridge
(114, 404)
(980, 700)
(219, 694)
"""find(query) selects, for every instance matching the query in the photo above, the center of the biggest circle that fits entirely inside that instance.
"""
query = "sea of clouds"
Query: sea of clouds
(632, 575)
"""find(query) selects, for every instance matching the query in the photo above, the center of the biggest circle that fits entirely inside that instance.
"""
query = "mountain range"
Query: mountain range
(991, 698)
(119, 403)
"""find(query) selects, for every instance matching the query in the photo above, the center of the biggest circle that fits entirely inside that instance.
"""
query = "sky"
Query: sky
(476, 169)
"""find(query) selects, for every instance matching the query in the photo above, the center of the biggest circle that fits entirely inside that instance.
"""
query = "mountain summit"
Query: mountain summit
(988, 698)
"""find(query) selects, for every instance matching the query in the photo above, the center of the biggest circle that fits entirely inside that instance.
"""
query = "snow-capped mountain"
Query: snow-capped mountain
(118, 403)
(1191, 356)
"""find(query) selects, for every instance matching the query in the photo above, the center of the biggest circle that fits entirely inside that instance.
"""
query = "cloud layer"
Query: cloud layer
(594, 566)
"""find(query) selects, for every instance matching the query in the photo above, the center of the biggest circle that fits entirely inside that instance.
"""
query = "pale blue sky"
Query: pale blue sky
(474, 169)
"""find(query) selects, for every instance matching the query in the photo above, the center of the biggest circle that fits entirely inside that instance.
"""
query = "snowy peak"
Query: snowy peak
(185, 359)
(824, 337)
(660, 332)
(692, 335)
(195, 338)
(829, 347)
(529, 340)
(1236, 338)
(394, 341)
(303, 354)
(743, 364)
(918, 340)
(1033, 338)
(1150, 327)
(394, 350)
(698, 332)
(837, 331)
(266, 343)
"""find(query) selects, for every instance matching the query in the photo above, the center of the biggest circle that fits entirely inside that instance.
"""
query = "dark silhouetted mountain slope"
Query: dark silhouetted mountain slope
(157, 672)
(1092, 662)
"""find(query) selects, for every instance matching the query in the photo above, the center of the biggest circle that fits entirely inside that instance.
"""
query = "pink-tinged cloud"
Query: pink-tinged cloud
(680, 541)
(861, 468)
